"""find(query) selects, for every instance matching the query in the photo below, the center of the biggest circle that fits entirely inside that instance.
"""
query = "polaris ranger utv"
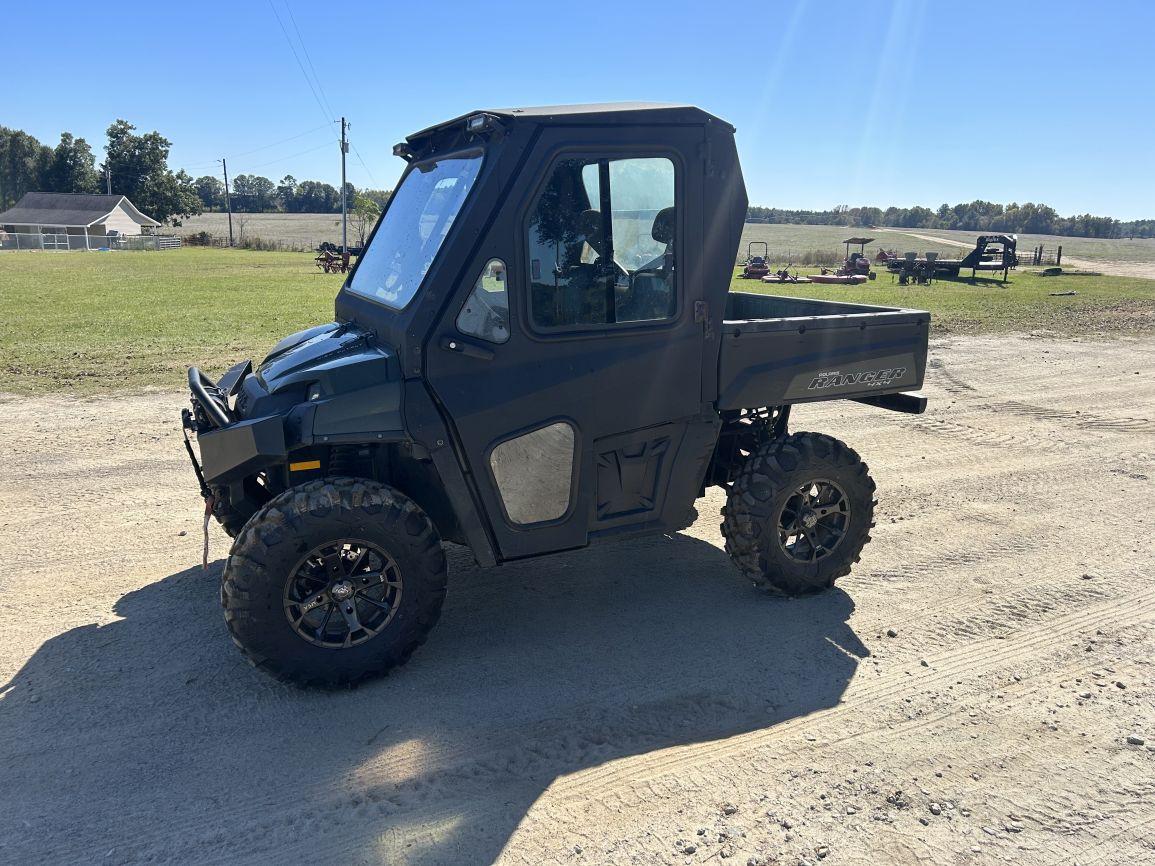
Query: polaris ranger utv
(537, 351)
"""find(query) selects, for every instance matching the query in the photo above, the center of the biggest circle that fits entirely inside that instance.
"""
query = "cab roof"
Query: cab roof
(601, 113)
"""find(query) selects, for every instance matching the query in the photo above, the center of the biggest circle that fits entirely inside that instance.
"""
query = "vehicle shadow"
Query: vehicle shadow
(149, 738)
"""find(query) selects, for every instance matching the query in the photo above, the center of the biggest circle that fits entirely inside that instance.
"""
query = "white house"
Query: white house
(63, 220)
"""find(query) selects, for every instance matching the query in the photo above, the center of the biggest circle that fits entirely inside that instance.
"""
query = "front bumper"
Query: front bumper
(230, 449)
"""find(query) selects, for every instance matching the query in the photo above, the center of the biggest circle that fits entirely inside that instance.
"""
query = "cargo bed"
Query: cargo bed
(779, 350)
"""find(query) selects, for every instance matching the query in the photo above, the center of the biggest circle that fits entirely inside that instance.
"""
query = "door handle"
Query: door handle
(467, 348)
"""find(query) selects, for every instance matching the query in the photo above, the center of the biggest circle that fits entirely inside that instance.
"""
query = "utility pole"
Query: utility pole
(228, 201)
(108, 178)
(344, 203)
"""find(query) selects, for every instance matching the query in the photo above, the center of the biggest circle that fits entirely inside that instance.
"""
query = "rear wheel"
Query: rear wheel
(334, 582)
(799, 513)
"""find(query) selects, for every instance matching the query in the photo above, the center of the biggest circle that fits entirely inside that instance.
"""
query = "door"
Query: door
(569, 363)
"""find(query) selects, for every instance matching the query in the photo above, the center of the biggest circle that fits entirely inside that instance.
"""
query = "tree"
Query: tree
(72, 167)
(381, 196)
(316, 197)
(210, 191)
(23, 161)
(287, 193)
(363, 217)
(252, 193)
(139, 168)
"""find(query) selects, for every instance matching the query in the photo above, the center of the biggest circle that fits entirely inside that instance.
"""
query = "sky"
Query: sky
(861, 103)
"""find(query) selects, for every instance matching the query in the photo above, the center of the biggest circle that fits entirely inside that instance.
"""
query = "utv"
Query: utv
(538, 350)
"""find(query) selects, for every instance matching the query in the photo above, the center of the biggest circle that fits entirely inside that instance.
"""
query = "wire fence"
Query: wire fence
(56, 242)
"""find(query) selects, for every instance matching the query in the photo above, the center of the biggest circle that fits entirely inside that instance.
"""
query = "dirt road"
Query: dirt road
(636, 703)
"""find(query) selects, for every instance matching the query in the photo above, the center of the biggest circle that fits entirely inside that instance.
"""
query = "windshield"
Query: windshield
(413, 229)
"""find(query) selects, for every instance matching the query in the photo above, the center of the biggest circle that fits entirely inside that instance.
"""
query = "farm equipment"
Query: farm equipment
(331, 262)
(918, 271)
(991, 253)
(538, 351)
(784, 276)
(836, 278)
(855, 268)
(756, 267)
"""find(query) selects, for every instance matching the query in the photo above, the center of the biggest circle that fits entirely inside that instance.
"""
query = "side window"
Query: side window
(485, 313)
(601, 243)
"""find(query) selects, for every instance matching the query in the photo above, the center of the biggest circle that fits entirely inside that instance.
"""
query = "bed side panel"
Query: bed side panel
(793, 361)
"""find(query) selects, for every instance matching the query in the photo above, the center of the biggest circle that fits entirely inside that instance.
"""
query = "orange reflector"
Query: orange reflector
(304, 464)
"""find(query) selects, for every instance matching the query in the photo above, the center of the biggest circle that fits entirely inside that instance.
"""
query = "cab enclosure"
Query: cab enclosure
(539, 346)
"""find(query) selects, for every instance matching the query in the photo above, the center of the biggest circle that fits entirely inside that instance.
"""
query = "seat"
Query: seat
(651, 291)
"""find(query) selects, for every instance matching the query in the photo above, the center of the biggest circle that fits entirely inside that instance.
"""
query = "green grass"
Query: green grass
(95, 322)
(1102, 305)
(87, 323)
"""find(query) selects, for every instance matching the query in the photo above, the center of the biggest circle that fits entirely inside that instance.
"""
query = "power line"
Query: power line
(357, 154)
(214, 162)
(308, 59)
(201, 165)
(284, 140)
(290, 156)
(328, 114)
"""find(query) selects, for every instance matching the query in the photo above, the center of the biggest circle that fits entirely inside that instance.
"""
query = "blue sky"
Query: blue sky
(903, 102)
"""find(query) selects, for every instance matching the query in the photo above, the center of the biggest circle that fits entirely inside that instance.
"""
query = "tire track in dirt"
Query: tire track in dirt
(987, 654)
(987, 757)
(1081, 419)
(947, 380)
(980, 572)
(534, 754)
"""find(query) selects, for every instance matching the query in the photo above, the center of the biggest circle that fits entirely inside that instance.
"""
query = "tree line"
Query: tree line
(977, 216)
(250, 193)
(137, 165)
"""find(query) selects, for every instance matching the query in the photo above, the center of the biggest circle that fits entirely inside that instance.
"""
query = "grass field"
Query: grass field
(308, 230)
(1095, 249)
(88, 323)
(304, 229)
(1103, 305)
(94, 322)
(788, 242)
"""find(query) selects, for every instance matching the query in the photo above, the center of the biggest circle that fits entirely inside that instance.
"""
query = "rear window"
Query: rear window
(413, 229)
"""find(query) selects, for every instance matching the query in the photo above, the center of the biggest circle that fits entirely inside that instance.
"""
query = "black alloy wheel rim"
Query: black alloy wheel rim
(813, 521)
(342, 593)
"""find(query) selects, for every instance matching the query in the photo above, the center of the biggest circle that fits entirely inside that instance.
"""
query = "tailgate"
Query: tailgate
(818, 350)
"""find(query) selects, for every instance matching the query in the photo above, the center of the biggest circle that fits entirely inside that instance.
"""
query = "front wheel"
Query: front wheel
(799, 513)
(334, 582)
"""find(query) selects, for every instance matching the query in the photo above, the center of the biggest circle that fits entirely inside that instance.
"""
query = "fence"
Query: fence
(248, 242)
(1041, 255)
(33, 241)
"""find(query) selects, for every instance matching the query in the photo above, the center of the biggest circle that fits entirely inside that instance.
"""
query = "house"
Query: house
(77, 221)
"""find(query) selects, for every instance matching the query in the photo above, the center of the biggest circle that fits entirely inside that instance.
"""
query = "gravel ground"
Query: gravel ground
(980, 690)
